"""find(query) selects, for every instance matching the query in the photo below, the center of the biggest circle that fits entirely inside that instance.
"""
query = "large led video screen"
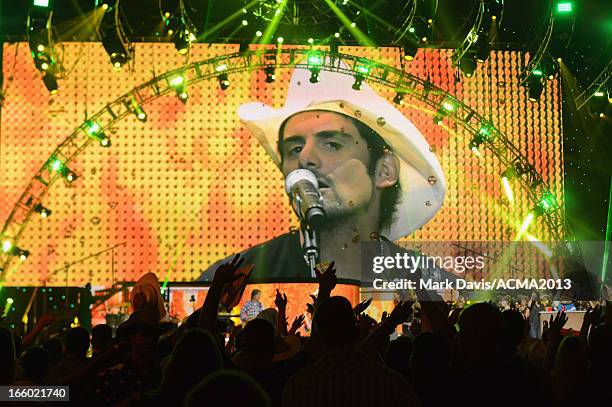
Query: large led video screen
(192, 185)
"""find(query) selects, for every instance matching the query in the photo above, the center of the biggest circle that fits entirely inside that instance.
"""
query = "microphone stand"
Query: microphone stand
(310, 247)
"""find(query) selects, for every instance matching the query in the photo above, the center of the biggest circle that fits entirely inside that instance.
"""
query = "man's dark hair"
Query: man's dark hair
(377, 148)
(254, 293)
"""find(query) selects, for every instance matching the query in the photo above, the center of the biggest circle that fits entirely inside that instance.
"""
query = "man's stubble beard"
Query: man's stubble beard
(338, 212)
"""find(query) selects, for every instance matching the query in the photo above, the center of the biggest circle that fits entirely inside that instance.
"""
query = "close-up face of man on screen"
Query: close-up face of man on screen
(357, 174)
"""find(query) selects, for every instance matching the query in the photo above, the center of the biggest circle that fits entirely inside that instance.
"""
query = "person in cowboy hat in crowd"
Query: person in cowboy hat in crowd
(377, 177)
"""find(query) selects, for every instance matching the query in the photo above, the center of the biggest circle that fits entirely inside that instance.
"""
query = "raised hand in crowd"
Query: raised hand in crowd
(297, 324)
(376, 342)
(366, 325)
(553, 338)
(311, 307)
(362, 306)
(327, 281)
(592, 317)
(225, 274)
(43, 322)
(281, 304)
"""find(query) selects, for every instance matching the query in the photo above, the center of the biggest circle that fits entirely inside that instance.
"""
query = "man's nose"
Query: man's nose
(309, 158)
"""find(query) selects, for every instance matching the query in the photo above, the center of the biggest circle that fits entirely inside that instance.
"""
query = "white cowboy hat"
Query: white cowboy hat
(421, 178)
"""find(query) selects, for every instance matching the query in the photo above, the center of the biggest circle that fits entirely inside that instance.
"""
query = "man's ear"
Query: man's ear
(387, 171)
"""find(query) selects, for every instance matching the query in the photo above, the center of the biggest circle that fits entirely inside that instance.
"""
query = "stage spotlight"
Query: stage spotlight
(535, 87)
(50, 82)
(495, 8)
(181, 41)
(483, 49)
(314, 75)
(548, 66)
(6, 246)
(42, 211)
(56, 165)
(598, 104)
(358, 84)
(224, 82)
(438, 119)
(547, 204)
(70, 176)
(564, 7)
(94, 131)
(270, 75)
(23, 254)
(179, 84)
(399, 98)
(467, 65)
(114, 38)
(473, 146)
(448, 106)
(17, 252)
(42, 3)
(105, 141)
(141, 115)
(410, 51)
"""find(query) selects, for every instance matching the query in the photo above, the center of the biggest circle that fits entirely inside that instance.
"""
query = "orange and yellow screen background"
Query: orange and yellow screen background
(191, 185)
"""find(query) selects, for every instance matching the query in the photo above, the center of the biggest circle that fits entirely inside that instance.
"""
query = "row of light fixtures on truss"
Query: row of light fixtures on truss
(549, 64)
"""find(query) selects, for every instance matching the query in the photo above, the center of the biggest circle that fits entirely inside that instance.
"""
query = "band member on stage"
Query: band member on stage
(251, 308)
(376, 175)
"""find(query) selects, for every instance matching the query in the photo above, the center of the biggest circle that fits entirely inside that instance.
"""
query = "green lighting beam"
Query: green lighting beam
(270, 30)
(363, 39)
(229, 19)
(606, 255)
(374, 17)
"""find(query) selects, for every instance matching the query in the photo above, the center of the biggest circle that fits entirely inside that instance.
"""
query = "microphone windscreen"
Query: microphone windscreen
(296, 176)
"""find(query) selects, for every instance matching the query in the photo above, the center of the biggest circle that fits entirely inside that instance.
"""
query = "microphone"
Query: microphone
(303, 189)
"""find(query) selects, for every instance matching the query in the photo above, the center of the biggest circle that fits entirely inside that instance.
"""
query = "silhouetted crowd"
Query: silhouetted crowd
(420, 354)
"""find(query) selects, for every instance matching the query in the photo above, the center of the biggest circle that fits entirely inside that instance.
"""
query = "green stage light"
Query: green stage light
(56, 165)
(363, 69)
(485, 131)
(548, 203)
(537, 72)
(92, 128)
(314, 59)
(564, 7)
(448, 106)
(6, 246)
(177, 81)
(41, 3)
(598, 94)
